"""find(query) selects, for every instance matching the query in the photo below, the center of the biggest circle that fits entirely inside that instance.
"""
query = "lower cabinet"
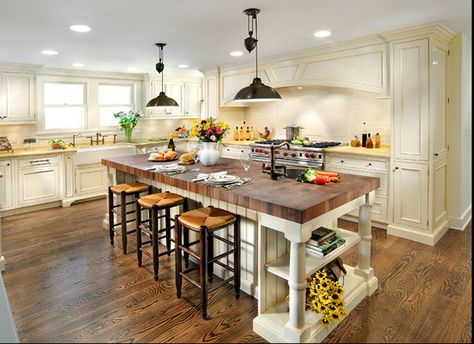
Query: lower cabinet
(234, 152)
(38, 180)
(91, 181)
(6, 185)
(365, 166)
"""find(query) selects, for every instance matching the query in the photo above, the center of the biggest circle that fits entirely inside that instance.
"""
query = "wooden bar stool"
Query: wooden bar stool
(206, 221)
(123, 190)
(155, 203)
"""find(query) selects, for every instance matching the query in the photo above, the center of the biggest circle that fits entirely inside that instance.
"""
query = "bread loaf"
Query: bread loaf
(187, 157)
(170, 155)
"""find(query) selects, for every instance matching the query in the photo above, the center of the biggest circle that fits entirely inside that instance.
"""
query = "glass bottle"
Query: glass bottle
(247, 134)
(237, 134)
(369, 143)
(252, 133)
(364, 136)
(377, 140)
(171, 144)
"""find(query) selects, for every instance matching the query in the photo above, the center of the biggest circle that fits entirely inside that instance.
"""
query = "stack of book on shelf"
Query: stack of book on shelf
(323, 241)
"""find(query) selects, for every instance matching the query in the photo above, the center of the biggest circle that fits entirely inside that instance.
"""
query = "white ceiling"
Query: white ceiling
(200, 33)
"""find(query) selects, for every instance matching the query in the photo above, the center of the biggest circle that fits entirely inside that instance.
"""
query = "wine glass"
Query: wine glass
(246, 162)
(195, 152)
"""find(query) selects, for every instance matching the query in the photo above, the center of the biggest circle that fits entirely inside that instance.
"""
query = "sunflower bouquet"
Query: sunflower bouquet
(209, 130)
(324, 296)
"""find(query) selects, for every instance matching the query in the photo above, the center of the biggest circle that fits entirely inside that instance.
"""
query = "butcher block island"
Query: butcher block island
(278, 217)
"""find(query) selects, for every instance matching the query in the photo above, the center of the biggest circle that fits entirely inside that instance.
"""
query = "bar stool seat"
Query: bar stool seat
(129, 189)
(123, 190)
(206, 222)
(210, 217)
(163, 199)
(154, 203)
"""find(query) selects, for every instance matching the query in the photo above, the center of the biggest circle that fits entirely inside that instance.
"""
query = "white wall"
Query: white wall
(326, 113)
(459, 132)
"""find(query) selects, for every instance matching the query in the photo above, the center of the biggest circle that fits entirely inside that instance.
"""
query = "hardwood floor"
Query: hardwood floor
(67, 284)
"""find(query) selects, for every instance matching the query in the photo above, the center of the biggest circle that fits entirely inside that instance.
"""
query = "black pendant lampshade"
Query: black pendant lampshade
(162, 100)
(257, 91)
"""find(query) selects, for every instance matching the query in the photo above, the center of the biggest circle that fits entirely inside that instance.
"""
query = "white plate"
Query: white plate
(226, 179)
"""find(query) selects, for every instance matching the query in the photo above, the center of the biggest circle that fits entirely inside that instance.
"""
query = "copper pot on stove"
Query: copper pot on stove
(292, 132)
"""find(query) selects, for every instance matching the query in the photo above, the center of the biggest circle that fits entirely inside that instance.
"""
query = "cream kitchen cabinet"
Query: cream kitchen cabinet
(420, 148)
(365, 166)
(192, 100)
(91, 181)
(211, 93)
(6, 185)
(39, 180)
(234, 151)
(17, 97)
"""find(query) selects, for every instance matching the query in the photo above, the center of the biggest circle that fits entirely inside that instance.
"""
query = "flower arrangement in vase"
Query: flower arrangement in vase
(128, 121)
(209, 133)
(324, 296)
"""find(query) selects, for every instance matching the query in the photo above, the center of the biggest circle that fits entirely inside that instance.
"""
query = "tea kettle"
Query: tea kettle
(292, 132)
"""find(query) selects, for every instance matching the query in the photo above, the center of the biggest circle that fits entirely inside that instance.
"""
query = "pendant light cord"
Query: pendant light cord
(256, 47)
(163, 71)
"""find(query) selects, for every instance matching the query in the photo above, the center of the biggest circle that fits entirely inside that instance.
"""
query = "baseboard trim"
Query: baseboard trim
(460, 223)
(421, 237)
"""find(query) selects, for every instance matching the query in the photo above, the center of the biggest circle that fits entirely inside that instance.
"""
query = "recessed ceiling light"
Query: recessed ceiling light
(49, 52)
(80, 28)
(183, 66)
(322, 34)
(236, 53)
(131, 69)
(78, 65)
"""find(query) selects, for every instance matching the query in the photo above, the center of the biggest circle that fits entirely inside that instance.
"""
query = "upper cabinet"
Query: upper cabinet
(17, 97)
(188, 95)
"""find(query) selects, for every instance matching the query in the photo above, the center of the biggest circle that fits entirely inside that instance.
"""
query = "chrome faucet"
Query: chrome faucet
(73, 143)
(273, 171)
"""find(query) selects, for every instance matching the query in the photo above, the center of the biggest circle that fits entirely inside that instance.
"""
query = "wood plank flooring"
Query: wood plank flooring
(67, 284)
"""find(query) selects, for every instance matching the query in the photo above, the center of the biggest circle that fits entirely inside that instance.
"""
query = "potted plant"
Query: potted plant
(210, 133)
(128, 121)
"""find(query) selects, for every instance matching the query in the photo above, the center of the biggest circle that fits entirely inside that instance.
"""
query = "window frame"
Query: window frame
(84, 105)
(132, 105)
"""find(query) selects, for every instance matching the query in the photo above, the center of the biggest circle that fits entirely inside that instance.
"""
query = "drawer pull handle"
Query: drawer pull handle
(436, 154)
(32, 162)
(342, 161)
(370, 164)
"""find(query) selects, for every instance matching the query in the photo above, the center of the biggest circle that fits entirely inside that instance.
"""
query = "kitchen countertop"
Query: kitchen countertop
(383, 152)
(264, 195)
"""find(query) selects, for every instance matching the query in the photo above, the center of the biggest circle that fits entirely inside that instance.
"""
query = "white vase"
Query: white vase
(210, 153)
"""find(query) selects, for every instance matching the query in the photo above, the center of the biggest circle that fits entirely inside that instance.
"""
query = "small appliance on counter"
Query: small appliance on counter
(5, 144)
(292, 132)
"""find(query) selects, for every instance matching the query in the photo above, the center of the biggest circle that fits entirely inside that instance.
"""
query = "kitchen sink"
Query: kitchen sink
(94, 155)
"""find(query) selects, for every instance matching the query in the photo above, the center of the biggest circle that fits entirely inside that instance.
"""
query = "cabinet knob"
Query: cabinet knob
(396, 168)
(370, 164)
(342, 161)
(436, 154)
(8, 164)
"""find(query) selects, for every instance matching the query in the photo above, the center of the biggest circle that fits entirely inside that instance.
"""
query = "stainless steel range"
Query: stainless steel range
(306, 155)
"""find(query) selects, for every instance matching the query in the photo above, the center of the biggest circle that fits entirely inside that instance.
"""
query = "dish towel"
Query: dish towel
(204, 176)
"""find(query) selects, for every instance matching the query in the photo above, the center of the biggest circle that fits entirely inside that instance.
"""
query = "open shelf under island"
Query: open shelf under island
(277, 217)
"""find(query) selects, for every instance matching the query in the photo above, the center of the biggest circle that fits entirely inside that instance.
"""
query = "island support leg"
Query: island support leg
(297, 284)
(363, 268)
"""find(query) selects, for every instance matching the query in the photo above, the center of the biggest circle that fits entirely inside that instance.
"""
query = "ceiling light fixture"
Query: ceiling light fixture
(80, 28)
(162, 100)
(78, 65)
(183, 66)
(49, 52)
(322, 34)
(257, 91)
(236, 53)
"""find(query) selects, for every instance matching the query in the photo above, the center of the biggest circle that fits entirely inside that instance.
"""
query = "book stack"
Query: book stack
(323, 241)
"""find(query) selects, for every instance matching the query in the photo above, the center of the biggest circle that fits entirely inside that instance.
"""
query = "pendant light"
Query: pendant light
(162, 100)
(257, 91)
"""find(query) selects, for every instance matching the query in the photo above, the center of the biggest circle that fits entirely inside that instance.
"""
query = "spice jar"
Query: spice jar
(377, 140)
(355, 142)
(369, 143)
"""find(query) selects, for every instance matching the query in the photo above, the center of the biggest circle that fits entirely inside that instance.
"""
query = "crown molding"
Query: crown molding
(90, 74)
(19, 67)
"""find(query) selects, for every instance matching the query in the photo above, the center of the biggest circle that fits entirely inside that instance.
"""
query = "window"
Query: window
(64, 105)
(112, 99)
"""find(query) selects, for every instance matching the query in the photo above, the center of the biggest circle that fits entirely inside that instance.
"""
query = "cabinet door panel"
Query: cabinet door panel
(175, 91)
(19, 96)
(411, 100)
(410, 194)
(439, 192)
(193, 100)
(438, 101)
(6, 181)
(38, 185)
(91, 180)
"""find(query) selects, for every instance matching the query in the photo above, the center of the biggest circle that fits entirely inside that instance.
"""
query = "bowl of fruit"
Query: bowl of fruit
(57, 144)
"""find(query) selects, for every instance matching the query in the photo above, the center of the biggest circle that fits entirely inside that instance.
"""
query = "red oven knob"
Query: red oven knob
(293, 155)
(277, 152)
(285, 154)
(313, 156)
(266, 152)
(306, 155)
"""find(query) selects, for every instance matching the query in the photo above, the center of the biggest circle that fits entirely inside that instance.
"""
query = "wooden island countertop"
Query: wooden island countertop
(285, 198)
